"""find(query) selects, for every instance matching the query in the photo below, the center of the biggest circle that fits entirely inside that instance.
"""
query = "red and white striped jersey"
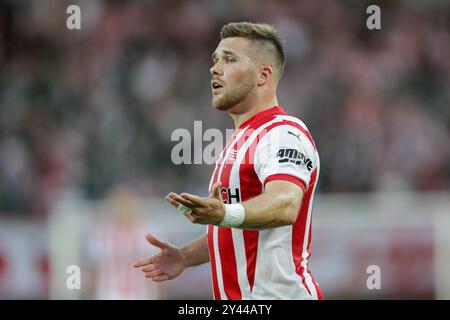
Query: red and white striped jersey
(270, 263)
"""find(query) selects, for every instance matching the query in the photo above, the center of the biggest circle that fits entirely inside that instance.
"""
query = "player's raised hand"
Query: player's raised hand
(199, 210)
(166, 265)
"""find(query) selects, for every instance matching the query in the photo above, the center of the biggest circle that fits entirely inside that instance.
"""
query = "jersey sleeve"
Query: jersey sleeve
(285, 153)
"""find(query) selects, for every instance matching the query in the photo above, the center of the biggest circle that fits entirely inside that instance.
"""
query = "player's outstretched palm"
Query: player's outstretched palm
(165, 265)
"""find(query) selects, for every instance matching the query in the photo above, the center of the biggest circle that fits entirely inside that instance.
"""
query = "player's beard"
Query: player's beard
(230, 98)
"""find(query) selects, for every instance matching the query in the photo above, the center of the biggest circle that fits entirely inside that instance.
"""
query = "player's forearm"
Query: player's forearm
(196, 252)
(270, 210)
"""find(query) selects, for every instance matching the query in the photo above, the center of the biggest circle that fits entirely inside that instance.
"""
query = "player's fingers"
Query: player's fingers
(160, 278)
(174, 203)
(154, 273)
(149, 268)
(183, 205)
(183, 201)
(157, 243)
(143, 262)
(196, 200)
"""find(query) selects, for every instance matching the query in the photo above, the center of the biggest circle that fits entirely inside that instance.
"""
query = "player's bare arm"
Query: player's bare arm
(171, 261)
(277, 206)
(196, 252)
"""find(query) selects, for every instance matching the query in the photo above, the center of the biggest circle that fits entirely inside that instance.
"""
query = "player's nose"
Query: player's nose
(214, 70)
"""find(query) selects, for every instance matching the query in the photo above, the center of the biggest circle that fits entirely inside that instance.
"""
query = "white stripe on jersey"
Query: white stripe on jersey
(223, 296)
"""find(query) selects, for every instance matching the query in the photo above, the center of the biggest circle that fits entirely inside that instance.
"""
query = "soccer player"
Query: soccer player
(259, 211)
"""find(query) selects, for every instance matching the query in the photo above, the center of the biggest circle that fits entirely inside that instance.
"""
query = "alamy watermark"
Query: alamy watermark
(284, 144)
(374, 20)
(189, 149)
(374, 280)
(73, 281)
(73, 21)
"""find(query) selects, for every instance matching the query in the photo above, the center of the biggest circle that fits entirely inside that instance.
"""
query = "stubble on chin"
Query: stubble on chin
(227, 101)
(220, 104)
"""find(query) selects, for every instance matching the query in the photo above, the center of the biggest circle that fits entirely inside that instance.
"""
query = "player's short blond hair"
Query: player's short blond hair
(260, 32)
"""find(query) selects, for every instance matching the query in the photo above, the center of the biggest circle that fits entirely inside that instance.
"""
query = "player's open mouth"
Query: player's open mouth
(216, 86)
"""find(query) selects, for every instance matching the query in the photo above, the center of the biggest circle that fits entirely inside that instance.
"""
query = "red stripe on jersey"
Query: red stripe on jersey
(299, 229)
(286, 177)
(213, 263)
(226, 246)
(228, 264)
(316, 285)
(219, 163)
(319, 291)
(250, 187)
(220, 160)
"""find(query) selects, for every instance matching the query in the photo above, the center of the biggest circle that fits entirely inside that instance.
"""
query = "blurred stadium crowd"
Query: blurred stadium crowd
(87, 110)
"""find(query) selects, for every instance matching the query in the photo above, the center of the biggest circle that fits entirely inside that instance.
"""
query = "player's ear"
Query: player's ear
(265, 72)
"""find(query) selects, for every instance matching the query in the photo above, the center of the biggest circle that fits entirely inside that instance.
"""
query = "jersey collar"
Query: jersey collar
(262, 114)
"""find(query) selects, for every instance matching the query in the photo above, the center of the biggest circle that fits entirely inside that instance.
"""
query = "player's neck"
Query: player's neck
(247, 112)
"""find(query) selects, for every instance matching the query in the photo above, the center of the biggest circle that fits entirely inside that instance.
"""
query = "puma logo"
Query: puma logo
(296, 135)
